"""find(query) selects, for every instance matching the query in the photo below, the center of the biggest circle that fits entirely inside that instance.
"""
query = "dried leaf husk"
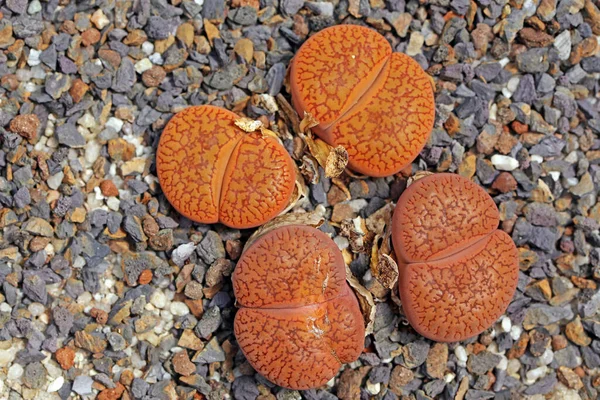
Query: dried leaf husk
(248, 125)
(336, 162)
(365, 301)
(417, 176)
(314, 218)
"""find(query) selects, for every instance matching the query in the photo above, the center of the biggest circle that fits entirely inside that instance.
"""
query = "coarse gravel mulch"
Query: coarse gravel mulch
(106, 292)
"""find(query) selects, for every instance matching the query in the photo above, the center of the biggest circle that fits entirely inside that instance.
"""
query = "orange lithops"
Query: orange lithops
(377, 104)
(458, 272)
(298, 319)
(212, 171)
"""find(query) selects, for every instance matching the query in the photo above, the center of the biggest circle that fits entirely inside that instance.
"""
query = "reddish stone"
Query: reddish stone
(90, 36)
(505, 182)
(65, 357)
(78, 89)
(101, 316)
(108, 188)
(153, 76)
(26, 126)
(145, 277)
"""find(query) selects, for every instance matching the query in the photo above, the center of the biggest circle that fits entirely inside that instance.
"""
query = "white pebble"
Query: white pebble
(513, 83)
(460, 353)
(506, 324)
(555, 175)
(156, 59)
(87, 121)
(5, 307)
(15, 372)
(342, 242)
(493, 112)
(536, 158)
(546, 358)
(515, 332)
(178, 308)
(504, 163)
(572, 182)
(34, 7)
(562, 43)
(536, 373)
(55, 180)
(572, 157)
(503, 364)
(113, 203)
(373, 388)
(36, 309)
(99, 19)
(143, 65)
(56, 384)
(92, 151)
(114, 123)
(34, 57)
(147, 48)
(158, 299)
(79, 262)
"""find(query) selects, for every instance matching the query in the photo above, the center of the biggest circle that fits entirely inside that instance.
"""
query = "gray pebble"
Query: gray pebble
(22, 197)
(82, 385)
(68, 135)
(543, 386)
(158, 28)
(245, 15)
(34, 288)
(125, 76)
(34, 375)
(63, 319)
(525, 92)
(139, 388)
(291, 7)
(483, 362)
(244, 388)
(209, 323)
(25, 26)
(211, 247)
(213, 9)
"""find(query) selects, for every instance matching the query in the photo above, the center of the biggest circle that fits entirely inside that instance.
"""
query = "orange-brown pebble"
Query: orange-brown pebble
(458, 271)
(377, 104)
(298, 319)
(26, 126)
(90, 36)
(65, 356)
(145, 277)
(126, 377)
(154, 76)
(108, 188)
(101, 316)
(112, 394)
(505, 182)
(212, 171)
(78, 89)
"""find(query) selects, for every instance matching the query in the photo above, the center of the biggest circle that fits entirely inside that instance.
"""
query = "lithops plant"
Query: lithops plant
(298, 321)
(458, 272)
(377, 104)
(212, 171)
